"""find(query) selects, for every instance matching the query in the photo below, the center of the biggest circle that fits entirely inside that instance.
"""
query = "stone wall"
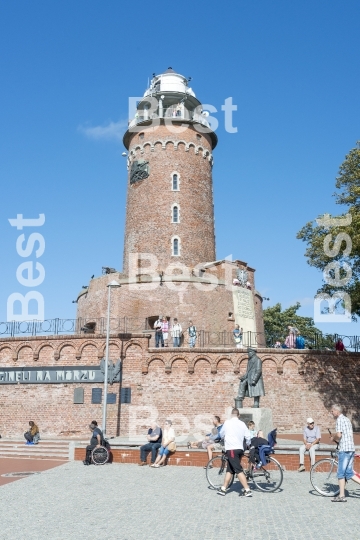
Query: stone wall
(185, 385)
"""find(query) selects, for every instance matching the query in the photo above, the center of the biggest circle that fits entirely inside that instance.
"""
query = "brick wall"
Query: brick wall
(149, 226)
(289, 461)
(207, 306)
(185, 385)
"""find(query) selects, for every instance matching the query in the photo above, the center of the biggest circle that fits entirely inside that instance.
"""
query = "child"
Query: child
(253, 431)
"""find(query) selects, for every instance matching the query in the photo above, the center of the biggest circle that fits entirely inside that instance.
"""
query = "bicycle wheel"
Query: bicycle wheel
(100, 456)
(215, 472)
(323, 477)
(269, 477)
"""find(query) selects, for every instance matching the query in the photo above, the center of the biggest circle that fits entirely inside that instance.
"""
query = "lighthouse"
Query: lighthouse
(170, 143)
(169, 261)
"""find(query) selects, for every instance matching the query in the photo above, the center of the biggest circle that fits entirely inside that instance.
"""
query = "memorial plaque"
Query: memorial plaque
(125, 395)
(79, 395)
(245, 307)
(96, 395)
(111, 398)
(244, 310)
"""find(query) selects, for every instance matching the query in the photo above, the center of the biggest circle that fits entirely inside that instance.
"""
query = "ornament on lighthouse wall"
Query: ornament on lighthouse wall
(139, 170)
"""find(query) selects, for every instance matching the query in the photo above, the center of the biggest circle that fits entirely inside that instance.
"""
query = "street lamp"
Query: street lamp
(113, 284)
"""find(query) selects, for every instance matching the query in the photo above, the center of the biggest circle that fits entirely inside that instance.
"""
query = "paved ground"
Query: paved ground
(13, 465)
(127, 502)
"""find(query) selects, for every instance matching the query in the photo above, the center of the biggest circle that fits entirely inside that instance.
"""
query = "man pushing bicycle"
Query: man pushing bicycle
(233, 432)
(345, 439)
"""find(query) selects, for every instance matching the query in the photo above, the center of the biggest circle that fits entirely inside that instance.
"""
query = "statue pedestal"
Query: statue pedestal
(262, 418)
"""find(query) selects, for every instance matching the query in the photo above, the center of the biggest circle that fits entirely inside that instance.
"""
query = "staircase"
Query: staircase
(55, 449)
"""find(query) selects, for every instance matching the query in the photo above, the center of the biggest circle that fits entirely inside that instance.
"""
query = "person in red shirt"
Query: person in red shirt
(339, 346)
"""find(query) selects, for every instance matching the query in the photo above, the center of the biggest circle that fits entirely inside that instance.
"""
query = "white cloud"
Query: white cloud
(110, 131)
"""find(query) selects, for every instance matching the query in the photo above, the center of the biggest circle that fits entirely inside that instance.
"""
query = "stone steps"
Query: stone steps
(45, 449)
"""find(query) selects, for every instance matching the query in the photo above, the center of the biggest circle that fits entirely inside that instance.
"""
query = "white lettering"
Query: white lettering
(327, 221)
(330, 316)
(342, 237)
(337, 281)
(60, 375)
(30, 281)
(34, 237)
(210, 120)
(138, 272)
(228, 109)
(182, 286)
(24, 300)
(21, 222)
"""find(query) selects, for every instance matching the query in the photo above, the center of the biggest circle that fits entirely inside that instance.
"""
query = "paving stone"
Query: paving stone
(127, 502)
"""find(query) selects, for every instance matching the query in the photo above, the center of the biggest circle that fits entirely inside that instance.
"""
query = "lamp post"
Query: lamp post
(111, 285)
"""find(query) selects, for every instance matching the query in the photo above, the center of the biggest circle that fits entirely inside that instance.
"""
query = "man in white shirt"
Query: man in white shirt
(234, 431)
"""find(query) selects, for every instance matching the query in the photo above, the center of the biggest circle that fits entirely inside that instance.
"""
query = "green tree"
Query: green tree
(324, 246)
(276, 323)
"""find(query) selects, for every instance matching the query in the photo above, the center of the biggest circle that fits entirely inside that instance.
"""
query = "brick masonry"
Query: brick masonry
(149, 230)
(185, 385)
(209, 309)
(289, 461)
(149, 226)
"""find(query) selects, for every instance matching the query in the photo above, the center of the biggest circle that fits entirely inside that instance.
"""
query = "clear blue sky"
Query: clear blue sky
(291, 68)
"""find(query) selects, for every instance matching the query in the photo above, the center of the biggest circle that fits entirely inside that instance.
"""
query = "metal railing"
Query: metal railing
(71, 326)
(205, 337)
(169, 113)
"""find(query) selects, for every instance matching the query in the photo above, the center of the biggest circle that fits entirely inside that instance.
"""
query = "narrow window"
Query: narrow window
(198, 137)
(175, 246)
(175, 215)
(141, 136)
(175, 185)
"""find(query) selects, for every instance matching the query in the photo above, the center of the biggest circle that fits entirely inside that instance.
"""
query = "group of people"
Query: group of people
(160, 443)
(236, 436)
(344, 438)
(294, 340)
(163, 328)
(233, 432)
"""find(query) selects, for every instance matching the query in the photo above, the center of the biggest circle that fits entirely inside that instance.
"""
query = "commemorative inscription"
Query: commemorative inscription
(245, 305)
(60, 374)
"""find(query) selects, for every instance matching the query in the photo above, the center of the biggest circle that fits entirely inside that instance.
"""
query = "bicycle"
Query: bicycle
(267, 477)
(323, 475)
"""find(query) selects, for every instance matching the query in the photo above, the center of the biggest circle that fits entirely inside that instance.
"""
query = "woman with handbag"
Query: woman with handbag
(168, 444)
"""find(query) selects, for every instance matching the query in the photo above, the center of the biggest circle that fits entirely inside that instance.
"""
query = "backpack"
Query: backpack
(300, 342)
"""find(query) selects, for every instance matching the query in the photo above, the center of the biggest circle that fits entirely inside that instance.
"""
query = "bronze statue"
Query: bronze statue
(252, 383)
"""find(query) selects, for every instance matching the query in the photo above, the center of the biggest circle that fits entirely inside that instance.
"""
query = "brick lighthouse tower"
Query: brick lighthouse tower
(169, 264)
(170, 211)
